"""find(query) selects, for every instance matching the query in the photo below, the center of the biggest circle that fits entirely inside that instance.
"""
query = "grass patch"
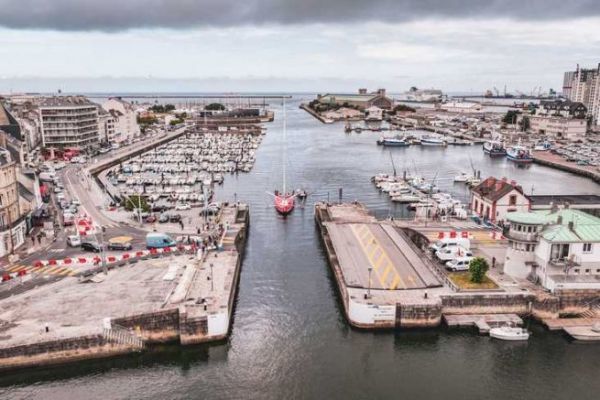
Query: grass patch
(463, 281)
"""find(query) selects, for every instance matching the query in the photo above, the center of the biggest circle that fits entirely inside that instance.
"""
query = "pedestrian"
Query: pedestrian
(493, 262)
(33, 240)
(198, 230)
(39, 237)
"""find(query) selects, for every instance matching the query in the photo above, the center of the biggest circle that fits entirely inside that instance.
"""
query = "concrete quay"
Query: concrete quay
(386, 278)
(556, 161)
(187, 299)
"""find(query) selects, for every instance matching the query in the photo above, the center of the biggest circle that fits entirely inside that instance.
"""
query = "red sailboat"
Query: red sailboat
(284, 202)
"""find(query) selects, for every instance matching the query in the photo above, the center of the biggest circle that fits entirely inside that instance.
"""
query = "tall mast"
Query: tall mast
(284, 145)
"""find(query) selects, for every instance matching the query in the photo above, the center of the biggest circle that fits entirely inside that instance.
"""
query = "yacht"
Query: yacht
(396, 141)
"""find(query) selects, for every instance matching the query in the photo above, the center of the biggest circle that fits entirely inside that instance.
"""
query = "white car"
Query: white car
(75, 201)
(74, 241)
(459, 264)
(57, 189)
(183, 206)
(451, 253)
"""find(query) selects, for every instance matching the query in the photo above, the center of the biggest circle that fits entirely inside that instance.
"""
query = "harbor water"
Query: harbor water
(289, 338)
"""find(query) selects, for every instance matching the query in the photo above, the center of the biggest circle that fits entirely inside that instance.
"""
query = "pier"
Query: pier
(185, 299)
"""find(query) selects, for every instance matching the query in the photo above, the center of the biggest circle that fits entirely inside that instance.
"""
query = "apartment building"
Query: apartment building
(69, 122)
(583, 85)
(13, 225)
(126, 127)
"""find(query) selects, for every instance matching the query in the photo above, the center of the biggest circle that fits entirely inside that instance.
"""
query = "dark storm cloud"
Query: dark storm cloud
(115, 15)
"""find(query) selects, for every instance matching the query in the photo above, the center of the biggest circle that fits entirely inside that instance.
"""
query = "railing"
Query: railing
(522, 236)
(120, 335)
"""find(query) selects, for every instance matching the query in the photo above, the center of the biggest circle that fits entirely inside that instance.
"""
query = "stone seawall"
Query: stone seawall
(154, 327)
(479, 303)
(418, 315)
(59, 352)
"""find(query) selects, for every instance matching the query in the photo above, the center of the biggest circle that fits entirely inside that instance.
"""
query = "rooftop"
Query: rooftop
(494, 189)
(573, 199)
(565, 225)
(66, 101)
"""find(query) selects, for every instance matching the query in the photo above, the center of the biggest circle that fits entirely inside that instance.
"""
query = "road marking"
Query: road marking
(395, 282)
(387, 270)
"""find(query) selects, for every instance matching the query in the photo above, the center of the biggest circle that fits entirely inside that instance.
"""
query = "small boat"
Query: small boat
(301, 193)
(396, 141)
(462, 177)
(494, 148)
(519, 154)
(429, 140)
(509, 333)
(406, 198)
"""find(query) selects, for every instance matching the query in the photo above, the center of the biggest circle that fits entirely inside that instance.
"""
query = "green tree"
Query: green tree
(133, 202)
(525, 124)
(478, 267)
(215, 107)
(403, 107)
(511, 116)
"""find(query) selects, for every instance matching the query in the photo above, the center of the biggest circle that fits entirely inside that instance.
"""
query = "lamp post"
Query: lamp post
(369, 288)
(212, 280)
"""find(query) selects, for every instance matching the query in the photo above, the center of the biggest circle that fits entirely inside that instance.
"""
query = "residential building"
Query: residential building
(557, 127)
(126, 127)
(494, 199)
(13, 226)
(583, 85)
(361, 100)
(69, 122)
(557, 248)
(589, 203)
(106, 126)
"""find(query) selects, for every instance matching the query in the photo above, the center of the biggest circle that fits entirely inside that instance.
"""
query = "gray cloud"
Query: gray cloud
(118, 15)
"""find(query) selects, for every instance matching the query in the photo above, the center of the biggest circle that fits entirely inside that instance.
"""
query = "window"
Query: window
(587, 247)
(512, 200)
(587, 271)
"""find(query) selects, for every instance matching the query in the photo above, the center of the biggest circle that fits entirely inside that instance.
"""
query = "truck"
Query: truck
(157, 240)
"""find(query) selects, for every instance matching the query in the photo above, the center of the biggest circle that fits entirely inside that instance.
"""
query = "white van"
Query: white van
(459, 264)
(452, 252)
(465, 243)
(47, 176)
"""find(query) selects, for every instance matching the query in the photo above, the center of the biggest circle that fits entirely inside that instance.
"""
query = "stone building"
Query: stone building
(13, 226)
(361, 100)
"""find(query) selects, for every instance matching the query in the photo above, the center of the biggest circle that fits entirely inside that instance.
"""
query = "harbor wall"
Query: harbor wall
(312, 112)
(568, 168)
(155, 327)
(59, 352)
(484, 303)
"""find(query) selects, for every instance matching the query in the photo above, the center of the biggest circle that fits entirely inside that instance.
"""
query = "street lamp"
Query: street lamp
(212, 280)
(369, 288)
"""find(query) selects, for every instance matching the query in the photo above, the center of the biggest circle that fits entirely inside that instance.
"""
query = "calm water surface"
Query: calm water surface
(289, 339)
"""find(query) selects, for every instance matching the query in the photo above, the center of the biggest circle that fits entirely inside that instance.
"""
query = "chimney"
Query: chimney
(381, 92)
(553, 208)
(362, 91)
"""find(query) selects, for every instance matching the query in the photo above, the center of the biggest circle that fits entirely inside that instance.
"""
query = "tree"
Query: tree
(215, 107)
(525, 124)
(133, 202)
(478, 267)
(403, 107)
(511, 116)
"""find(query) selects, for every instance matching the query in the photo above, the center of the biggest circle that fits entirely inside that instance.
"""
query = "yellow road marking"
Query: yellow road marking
(395, 282)
(387, 270)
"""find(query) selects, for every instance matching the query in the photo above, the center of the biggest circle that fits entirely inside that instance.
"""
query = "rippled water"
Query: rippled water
(289, 337)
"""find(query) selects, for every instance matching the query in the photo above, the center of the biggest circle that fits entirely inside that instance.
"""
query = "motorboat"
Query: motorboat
(429, 140)
(406, 198)
(396, 141)
(519, 154)
(494, 148)
(509, 333)
(462, 177)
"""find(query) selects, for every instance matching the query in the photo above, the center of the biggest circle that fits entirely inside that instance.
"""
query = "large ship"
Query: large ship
(519, 154)
(396, 141)
(494, 148)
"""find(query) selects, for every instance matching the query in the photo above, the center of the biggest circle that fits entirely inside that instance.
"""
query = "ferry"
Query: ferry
(494, 148)
(396, 141)
(519, 154)
(428, 140)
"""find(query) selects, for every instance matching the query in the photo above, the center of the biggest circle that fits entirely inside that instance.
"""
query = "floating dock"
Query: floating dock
(185, 299)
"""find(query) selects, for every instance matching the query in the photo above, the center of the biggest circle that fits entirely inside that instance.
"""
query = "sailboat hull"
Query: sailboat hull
(284, 204)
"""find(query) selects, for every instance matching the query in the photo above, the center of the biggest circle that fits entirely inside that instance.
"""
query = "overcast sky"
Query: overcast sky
(285, 45)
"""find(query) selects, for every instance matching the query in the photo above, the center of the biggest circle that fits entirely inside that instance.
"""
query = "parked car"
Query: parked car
(175, 218)
(183, 206)
(159, 208)
(459, 264)
(164, 217)
(150, 219)
(74, 241)
(451, 253)
(120, 243)
(91, 246)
